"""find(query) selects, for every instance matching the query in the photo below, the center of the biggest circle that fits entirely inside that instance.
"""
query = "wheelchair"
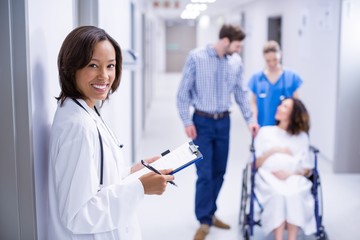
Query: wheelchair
(249, 201)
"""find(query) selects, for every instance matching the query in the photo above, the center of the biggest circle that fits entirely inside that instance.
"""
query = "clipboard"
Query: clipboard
(178, 159)
(182, 157)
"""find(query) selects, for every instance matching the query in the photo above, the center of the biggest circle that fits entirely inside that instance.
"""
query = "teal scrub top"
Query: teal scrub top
(269, 95)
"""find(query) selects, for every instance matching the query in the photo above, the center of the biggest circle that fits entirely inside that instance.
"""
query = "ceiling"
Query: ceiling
(173, 10)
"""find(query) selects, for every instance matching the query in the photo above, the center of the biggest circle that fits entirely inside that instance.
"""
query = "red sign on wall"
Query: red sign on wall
(170, 4)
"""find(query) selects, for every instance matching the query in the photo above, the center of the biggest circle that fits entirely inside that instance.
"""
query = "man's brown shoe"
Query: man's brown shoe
(201, 232)
(218, 223)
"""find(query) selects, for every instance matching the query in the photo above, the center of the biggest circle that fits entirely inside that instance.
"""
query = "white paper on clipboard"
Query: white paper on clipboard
(178, 159)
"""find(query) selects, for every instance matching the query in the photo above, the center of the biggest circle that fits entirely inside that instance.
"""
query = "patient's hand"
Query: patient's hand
(260, 161)
(282, 175)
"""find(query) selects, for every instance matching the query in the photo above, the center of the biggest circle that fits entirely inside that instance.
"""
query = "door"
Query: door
(180, 39)
(274, 29)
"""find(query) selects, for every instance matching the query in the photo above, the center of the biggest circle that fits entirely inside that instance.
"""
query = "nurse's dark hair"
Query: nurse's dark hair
(76, 52)
(232, 32)
(299, 118)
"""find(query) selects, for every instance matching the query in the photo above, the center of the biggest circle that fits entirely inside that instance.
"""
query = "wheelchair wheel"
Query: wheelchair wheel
(323, 235)
(244, 217)
(320, 234)
(246, 233)
(244, 198)
(320, 200)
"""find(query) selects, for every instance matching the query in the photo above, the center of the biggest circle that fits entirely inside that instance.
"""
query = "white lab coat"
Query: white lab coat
(284, 200)
(77, 209)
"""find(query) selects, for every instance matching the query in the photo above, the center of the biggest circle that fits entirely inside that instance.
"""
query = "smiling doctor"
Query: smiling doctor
(88, 197)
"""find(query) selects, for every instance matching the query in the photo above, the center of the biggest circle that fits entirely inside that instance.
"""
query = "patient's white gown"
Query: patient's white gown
(287, 200)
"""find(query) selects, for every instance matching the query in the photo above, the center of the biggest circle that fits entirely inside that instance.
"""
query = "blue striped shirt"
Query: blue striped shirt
(208, 82)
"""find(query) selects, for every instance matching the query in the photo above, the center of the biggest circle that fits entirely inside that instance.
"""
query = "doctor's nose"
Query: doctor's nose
(103, 74)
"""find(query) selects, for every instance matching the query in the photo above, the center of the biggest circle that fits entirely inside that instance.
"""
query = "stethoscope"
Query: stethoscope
(100, 140)
(263, 85)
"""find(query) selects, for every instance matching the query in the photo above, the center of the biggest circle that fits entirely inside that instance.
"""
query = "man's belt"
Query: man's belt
(214, 116)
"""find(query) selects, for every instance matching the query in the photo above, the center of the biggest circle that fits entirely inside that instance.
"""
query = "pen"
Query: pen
(148, 166)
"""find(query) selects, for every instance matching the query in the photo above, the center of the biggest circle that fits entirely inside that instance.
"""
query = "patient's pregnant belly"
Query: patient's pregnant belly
(280, 161)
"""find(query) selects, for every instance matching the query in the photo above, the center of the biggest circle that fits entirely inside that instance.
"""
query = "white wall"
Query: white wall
(160, 48)
(127, 100)
(138, 84)
(156, 51)
(114, 17)
(347, 144)
(207, 30)
(46, 33)
(153, 57)
(313, 54)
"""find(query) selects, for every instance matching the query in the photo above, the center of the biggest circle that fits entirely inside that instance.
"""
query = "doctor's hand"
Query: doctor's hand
(138, 166)
(154, 183)
(191, 131)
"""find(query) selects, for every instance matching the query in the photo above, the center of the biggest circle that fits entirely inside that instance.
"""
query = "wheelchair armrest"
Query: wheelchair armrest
(314, 149)
(311, 177)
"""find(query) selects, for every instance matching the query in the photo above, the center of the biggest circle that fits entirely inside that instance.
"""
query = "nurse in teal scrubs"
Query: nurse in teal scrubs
(271, 85)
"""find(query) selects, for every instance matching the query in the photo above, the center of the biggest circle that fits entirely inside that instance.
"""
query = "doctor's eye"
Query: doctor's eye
(92, 65)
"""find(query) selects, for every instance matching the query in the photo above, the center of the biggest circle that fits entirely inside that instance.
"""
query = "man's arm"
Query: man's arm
(242, 99)
(253, 104)
(184, 97)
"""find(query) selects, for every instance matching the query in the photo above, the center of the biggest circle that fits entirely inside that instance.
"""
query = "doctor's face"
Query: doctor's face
(95, 79)
(284, 110)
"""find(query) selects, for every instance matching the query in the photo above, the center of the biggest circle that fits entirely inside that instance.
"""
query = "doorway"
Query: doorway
(274, 29)
(180, 39)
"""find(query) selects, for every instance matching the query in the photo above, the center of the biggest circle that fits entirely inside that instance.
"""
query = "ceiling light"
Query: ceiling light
(186, 14)
(196, 7)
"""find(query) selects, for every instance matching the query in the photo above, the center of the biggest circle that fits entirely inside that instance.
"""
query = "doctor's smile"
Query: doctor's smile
(101, 87)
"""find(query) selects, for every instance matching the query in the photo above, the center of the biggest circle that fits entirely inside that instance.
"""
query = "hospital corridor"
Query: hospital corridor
(175, 210)
(87, 96)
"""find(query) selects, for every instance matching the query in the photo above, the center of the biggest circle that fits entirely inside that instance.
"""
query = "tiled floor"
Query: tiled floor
(171, 216)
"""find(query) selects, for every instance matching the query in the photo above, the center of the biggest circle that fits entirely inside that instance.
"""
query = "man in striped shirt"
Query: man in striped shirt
(210, 76)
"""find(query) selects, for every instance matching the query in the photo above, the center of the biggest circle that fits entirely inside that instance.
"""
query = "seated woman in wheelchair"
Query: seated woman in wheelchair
(283, 163)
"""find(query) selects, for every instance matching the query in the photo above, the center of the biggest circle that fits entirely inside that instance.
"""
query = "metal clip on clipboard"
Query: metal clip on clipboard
(196, 156)
(193, 148)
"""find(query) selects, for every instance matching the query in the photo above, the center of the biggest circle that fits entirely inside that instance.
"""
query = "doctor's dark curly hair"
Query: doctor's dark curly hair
(299, 118)
(76, 52)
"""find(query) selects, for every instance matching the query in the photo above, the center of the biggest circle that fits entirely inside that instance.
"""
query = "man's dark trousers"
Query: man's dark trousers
(213, 141)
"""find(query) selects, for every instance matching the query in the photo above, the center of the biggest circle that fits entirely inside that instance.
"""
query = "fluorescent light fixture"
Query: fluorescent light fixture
(192, 10)
(186, 14)
(196, 7)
